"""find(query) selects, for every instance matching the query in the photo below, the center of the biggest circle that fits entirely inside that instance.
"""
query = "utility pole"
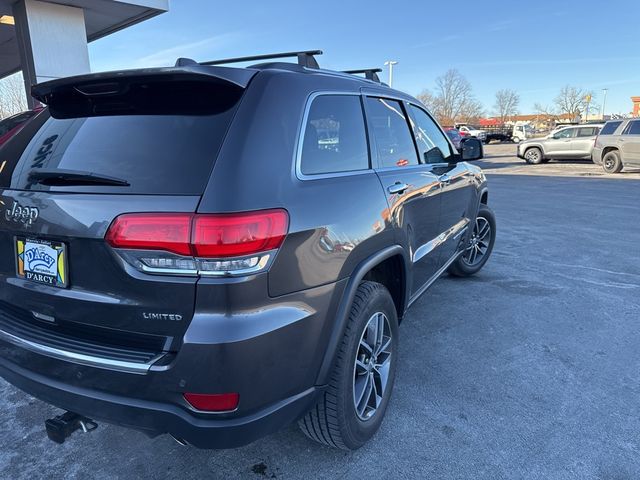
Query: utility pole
(604, 100)
(391, 63)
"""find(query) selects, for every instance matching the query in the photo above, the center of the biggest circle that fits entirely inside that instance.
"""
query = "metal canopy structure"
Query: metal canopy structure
(48, 38)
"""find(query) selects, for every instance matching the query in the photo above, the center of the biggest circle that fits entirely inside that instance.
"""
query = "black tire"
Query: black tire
(533, 156)
(611, 162)
(464, 266)
(334, 420)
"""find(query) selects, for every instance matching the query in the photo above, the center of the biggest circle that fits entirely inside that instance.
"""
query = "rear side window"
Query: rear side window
(587, 132)
(393, 140)
(335, 138)
(432, 144)
(154, 154)
(633, 128)
(609, 128)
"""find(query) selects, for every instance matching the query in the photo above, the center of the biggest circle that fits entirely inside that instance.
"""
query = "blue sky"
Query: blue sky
(532, 47)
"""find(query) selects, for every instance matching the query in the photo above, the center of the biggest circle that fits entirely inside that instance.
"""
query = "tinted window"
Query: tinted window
(393, 140)
(609, 128)
(633, 128)
(565, 133)
(432, 144)
(334, 137)
(170, 154)
(587, 132)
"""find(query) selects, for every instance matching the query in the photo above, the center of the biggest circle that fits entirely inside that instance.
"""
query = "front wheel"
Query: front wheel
(351, 410)
(479, 246)
(533, 156)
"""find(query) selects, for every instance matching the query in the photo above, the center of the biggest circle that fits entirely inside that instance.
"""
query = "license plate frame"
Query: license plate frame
(42, 261)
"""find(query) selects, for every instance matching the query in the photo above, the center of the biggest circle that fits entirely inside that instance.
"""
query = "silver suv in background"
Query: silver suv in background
(618, 145)
(570, 143)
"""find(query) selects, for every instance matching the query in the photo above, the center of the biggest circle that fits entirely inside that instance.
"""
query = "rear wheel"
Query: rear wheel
(611, 162)
(515, 140)
(533, 156)
(352, 408)
(480, 245)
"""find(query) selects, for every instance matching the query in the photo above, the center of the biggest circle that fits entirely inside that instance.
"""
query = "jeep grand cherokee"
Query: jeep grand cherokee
(216, 252)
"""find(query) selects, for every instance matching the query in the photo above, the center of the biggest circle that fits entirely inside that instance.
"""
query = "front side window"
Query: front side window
(432, 144)
(587, 132)
(566, 133)
(393, 140)
(334, 136)
(633, 128)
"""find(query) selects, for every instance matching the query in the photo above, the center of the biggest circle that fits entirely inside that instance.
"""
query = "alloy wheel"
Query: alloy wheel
(532, 155)
(372, 365)
(479, 242)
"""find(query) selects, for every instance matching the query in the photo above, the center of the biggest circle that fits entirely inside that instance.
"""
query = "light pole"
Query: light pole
(391, 63)
(604, 100)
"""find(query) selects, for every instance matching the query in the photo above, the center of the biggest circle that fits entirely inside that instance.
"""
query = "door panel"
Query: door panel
(415, 212)
(458, 194)
(560, 144)
(582, 143)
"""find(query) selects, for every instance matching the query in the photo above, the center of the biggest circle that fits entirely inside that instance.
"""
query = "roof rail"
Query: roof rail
(369, 73)
(305, 58)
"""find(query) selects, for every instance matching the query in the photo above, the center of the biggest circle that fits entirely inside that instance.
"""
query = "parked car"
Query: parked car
(469, 131)
(11, 125)
(454, 136)
(573, 143)
(618, 145)
(143, 287)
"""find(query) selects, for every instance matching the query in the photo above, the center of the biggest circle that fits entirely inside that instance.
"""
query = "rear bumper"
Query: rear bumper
(156, 418)
(596, 155)
(270, 354)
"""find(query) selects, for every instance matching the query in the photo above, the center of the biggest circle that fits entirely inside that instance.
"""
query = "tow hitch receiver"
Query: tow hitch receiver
(61, 427)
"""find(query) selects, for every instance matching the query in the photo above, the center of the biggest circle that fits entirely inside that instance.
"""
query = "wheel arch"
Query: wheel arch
(379, 266)
(610, 148)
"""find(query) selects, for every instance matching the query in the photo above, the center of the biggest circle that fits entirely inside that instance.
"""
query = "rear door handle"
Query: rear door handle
(397, 187)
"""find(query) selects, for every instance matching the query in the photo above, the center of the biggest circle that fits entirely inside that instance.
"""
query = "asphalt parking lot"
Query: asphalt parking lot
(529, 370)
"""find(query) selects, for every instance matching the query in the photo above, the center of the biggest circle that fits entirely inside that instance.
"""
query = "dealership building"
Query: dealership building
(47, 39)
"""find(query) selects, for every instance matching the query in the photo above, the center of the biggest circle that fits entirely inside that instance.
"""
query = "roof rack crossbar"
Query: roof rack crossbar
(369, 73)
(305, 58)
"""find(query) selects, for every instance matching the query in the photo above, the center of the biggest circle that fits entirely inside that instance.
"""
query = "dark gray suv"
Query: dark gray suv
(215, 252)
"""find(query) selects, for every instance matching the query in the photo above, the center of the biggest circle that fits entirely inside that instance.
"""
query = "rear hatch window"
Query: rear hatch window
(153, 147)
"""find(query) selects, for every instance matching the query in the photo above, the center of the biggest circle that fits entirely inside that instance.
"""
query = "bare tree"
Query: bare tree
(453, 100)
(428, 100)
(506, 106)
(12, 95)
(573, 100)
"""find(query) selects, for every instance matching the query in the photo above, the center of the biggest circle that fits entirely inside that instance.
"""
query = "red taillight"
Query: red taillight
(152, 231)
(207, 236)
(217, 402)
(235, 235)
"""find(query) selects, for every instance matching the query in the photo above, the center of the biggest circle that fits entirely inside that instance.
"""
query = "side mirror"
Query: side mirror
(471, 150)
(434, 156)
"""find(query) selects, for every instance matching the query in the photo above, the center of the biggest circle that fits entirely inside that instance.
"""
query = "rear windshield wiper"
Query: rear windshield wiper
(61, 178)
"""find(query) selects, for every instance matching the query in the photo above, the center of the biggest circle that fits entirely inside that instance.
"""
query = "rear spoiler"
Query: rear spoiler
(191, 89)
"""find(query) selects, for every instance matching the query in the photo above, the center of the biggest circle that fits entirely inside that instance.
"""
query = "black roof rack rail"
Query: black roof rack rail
(369, 73)
(305, 58)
